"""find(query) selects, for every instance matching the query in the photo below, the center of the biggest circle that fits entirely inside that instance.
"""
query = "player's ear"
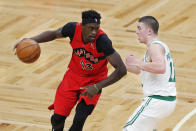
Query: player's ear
(150, 31)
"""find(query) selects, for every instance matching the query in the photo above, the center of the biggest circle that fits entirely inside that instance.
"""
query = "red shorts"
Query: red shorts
(68, 92)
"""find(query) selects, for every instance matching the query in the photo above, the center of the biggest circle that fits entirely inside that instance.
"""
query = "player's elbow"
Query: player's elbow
(161, 70)
(137, 72)
(122, 71)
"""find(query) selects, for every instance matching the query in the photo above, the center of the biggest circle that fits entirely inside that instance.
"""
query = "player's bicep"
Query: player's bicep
(67, 30)
(58, 32)
(115, 60)
(104, 45)
(157, 53)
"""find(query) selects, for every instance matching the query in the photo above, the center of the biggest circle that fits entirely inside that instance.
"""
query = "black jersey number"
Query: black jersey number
(86, 66)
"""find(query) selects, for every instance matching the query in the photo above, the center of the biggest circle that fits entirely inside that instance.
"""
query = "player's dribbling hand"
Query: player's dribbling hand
(90, 91)
(17, 43)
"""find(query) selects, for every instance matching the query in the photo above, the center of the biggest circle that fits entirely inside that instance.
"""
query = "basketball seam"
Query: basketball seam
(31, 54)
(27, 60)
(25, 47)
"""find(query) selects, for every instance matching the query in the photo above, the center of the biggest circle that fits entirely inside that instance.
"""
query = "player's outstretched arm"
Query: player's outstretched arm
(43, 37)
(48, 35)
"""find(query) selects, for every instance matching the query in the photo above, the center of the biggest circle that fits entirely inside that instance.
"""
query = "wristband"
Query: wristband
(96, 87)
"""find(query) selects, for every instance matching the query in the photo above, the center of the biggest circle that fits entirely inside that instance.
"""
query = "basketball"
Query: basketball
(28, 51)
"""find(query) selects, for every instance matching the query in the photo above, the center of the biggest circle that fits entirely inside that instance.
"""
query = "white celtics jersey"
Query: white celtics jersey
(160, 84)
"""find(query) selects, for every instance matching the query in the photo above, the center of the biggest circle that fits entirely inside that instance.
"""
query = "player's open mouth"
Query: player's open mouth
(92, 37)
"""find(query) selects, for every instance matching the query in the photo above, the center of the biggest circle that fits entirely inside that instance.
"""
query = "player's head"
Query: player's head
(147, 26)
(90, 25)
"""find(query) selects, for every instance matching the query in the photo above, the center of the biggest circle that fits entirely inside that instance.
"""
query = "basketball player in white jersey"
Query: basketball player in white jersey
(157, 78)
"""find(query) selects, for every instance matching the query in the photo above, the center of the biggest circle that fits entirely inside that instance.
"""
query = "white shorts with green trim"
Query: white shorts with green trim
(147, 116)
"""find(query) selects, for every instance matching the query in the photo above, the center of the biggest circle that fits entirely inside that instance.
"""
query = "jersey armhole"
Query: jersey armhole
(75, 32)
(160, 45)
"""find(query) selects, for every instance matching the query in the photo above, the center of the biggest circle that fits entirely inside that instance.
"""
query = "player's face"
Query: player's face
(89, 32)
(142, 32)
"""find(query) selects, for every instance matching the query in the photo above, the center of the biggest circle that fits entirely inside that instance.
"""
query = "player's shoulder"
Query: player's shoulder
(69, 29)
(103, 37)
(155, 47)
(71, 24)
(157, 44)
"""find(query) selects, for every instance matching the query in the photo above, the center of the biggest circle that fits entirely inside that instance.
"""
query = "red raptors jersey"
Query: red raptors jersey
(86, 60)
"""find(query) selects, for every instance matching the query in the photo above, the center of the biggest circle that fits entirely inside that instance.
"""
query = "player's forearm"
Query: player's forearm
(45, 37)
(153, 67)
(112, 78)
(132, 69)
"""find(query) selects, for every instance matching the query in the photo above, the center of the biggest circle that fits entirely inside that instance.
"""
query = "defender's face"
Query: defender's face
(142, 32)
(89, 32)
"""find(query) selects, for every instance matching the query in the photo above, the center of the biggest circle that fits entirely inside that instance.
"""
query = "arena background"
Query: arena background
(26, 90)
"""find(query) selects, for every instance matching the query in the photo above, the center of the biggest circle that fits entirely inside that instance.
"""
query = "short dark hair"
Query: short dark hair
(151, 22)
(90, 16)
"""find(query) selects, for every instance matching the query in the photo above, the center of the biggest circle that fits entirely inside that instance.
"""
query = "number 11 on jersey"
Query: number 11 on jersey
(172, 77)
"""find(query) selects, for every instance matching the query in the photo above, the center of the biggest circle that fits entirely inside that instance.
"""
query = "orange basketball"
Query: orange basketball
(28, 51)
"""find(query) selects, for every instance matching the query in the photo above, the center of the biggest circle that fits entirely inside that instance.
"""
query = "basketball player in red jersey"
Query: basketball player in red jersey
(87, 71)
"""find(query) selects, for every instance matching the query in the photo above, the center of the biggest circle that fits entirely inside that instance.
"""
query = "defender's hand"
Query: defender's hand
(131, 60)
